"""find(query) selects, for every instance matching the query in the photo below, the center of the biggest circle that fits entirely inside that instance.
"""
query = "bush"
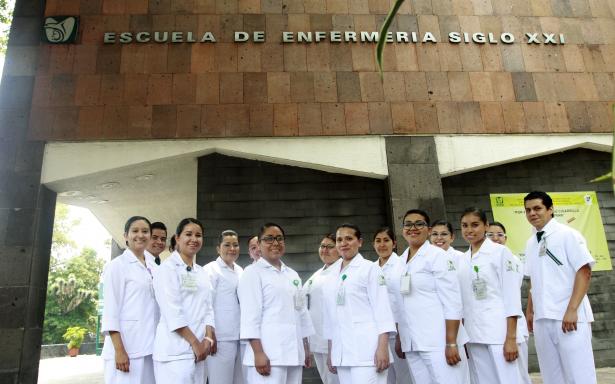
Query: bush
(74, 336)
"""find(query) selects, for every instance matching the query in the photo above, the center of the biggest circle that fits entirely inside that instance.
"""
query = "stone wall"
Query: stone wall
(561, 172)
(90, 90)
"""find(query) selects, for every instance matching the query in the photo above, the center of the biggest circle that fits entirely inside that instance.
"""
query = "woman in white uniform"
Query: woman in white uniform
(224, 274)
(497, 233)
(274, 317)
(184, 336)
(255, 253)
(358, 317)
(489, 275)
(384, 244)
(315, 294)
(130, 312)
(430, 307)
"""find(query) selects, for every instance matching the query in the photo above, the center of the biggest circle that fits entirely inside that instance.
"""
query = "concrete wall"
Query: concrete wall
(561, 172)
(244, 194)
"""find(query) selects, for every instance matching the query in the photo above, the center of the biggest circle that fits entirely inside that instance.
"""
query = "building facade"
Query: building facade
(241, 111)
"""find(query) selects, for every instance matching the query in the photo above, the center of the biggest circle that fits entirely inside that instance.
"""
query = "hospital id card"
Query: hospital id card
(341, 296)
(189, 282)
(479, 287)
(404, 287)
(299, 300)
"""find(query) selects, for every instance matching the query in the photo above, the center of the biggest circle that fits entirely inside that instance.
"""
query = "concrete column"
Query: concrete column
(26, 207)
(414, 179)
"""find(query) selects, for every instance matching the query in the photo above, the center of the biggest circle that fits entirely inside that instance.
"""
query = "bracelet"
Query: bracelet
(451, 345)
(211, 341)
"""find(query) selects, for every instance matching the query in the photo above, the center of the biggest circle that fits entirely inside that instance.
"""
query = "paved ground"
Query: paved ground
(88, 369)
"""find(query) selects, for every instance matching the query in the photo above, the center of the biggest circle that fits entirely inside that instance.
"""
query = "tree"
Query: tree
(6, 17)
(72, 288)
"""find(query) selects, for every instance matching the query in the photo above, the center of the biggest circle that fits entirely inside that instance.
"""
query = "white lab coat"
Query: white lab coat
(268, 313)
(552, 283)
(434, 297)
(485, 320)
(225, 365)
(181, 306)
(129, 305)
(354, 327)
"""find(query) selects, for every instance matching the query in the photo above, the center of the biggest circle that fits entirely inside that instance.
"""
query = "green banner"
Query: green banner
(579, 210)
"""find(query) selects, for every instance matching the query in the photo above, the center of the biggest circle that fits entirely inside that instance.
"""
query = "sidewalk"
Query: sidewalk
(88, 369)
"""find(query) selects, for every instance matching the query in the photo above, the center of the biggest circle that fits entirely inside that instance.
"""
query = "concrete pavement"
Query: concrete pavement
(88, 369)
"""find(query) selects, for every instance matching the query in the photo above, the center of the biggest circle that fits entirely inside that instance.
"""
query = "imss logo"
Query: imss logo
(61, 29)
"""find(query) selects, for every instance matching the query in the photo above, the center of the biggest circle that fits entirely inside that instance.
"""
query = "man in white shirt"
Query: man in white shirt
(158, 240)
(558, 311)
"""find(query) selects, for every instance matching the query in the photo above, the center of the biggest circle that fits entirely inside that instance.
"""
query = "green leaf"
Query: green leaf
(605, 177)
(383, 32)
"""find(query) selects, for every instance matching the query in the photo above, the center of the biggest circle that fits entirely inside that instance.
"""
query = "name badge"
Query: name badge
(404, 286)
(341, 296)
(189, 282)
(543, 248)
(479, 287)
(299, 300)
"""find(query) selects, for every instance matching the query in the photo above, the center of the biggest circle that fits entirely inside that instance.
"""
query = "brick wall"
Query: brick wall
(90, 90)
(566, 171)
(241, 194)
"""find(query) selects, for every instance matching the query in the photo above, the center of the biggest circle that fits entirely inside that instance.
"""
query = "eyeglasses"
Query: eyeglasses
(271, 239)
(493, 234)
(416, 224)
(441, 234)
(327, 246)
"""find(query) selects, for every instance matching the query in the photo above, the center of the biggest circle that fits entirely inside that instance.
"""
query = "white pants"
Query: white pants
(180, 372)
(225, 366)
(522, 363)
(321, 364)
(398, 371)
(488, 365)
(361, 375)
(140, 371)
(430, 367)
(278, 375)
(564, 357)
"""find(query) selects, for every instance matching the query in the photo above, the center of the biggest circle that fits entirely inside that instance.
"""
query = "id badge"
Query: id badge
(299, 300)
(341, 296)
(404, 287)
(479, 287)
(189, 282)
(543, 248)
(308, 300)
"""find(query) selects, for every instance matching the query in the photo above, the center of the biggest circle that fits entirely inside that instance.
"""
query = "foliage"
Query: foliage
(6, 16)
(74, 336)
(383, 32)
(72, 289)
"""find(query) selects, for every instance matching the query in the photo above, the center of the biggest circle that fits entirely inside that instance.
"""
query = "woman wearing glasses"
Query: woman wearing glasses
(274, 318)
(130, 312)
(184, 336)
(358, 317)
(497, 233)
(384, 244)
(315, 294)
(489, 275)
(430, 307)
(224, 274)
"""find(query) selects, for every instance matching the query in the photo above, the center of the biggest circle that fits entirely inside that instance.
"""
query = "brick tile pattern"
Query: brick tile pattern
(92, 90)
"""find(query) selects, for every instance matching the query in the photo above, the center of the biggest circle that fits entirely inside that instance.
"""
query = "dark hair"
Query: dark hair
(330, 236)
(357, 231)
(498, 224)
(250, 239)
(136, 218)
(186, 221)
(387, 230)
(159, 225)
(265, 226)
(448, 225)
(543, 196)
(173, 244)
(227, 232)
(418, 212)
(476, 211)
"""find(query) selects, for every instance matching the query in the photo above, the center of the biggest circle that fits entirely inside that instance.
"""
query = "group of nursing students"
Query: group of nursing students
(430, 315)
